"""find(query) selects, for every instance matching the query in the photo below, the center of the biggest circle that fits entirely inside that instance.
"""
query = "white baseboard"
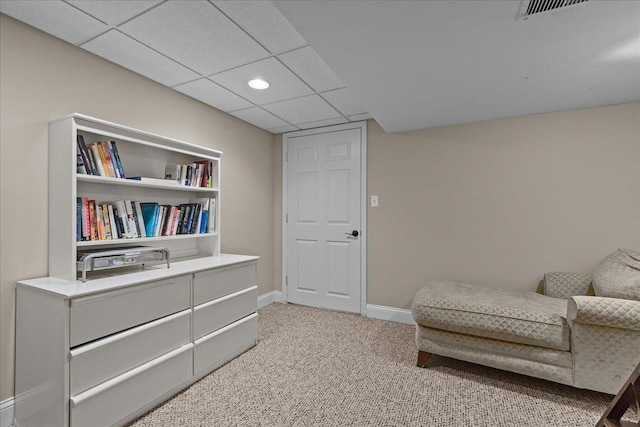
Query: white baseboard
(268, 298)
(7, 412)
(391, 314)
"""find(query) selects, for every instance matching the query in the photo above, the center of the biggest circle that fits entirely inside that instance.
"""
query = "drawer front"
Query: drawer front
(99, 361)
(114, 400)
(103, 314)
(220, 312)
(216, 283)
(216, 349)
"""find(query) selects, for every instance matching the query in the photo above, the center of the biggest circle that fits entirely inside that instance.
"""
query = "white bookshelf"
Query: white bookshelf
(141, 154)
(104, 351)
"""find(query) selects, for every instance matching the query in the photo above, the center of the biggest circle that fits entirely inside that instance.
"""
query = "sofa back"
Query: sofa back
(618, 275)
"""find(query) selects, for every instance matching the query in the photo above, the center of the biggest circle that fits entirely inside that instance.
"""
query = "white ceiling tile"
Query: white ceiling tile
(56, 18)
(264, 22)
(343, 101)
(308, 65)
(283, 129)
(195, 34)
(214, 95)
(284, 84)
(114, 12)
(123, 50)
(303, 110)
(323, 123)
(259, 117)
(357, 117)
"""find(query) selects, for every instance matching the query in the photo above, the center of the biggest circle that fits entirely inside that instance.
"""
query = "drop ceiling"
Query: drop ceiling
(408, 64)
(208, 50)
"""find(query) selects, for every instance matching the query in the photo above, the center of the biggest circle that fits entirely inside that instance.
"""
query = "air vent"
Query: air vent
(535, 7)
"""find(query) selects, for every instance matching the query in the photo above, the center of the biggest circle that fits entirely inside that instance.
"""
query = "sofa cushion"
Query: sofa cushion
(618, 275)
(522, 317)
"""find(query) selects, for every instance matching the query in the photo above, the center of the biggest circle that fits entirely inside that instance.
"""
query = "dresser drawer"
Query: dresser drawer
(101, 360)
(217, 348)
(114, 400)
(103, 314)
(216, 283)
(215, 314)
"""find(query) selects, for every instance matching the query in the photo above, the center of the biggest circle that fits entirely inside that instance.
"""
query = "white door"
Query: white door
(323, 219)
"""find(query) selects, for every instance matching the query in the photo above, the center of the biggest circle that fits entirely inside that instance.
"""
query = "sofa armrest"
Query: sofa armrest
(608, 312)
(565, 285)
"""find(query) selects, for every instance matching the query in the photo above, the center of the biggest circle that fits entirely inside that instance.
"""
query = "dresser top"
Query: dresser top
(72, 289)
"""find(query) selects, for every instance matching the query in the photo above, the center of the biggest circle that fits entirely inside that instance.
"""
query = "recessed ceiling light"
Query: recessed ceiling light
(259, 84)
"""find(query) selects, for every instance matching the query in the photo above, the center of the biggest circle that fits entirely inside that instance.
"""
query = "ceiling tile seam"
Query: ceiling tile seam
(303, 81)
(344, 116)
(332, 90)
(268, 112)
(235, 67)
(141, 13)
(304, 96)
(294, 49)
(158, 52)
(238, 95)
(86, 13)
(111, 27)
(241, 28)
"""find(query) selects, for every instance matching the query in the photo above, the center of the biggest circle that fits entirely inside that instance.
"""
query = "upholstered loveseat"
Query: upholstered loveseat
(566, 336)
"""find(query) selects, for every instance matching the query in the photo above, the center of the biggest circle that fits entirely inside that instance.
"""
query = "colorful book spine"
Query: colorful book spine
(78, 219)
(92, 220)
(116, 155)
(140, 219)
(98, 158)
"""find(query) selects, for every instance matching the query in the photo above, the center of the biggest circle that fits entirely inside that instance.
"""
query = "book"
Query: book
(212, 216)
(124, 218)
(106, 222)
(175, 220)
(140, 219)
(78, 219)
(117, 156)
(150, 215)
(98, 159)
(131, 219)
(86, 219)
(162, 216)
(207, 166)
(92, 220)
(80, 168)
(104, 147)
(112, 221)
(194, 222)
(99, 222)
(85, 156)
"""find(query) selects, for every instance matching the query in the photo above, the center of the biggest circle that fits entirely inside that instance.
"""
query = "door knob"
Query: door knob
(354, 233)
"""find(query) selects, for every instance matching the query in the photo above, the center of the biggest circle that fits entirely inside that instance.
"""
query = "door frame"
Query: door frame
(363, 203)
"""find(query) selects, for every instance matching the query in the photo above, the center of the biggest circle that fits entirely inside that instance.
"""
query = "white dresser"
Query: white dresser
(103, 352)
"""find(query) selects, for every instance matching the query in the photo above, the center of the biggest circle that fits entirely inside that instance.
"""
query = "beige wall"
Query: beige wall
(501, 202)
(42, 78)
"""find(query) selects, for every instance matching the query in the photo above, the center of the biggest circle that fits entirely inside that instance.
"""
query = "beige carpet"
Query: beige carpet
(315, 367)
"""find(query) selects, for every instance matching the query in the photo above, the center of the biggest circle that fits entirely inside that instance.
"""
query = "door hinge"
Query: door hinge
(286, 218)
(286, 156)
(286, 280)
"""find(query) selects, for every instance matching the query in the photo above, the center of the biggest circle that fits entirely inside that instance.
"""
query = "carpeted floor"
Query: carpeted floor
(314, 367)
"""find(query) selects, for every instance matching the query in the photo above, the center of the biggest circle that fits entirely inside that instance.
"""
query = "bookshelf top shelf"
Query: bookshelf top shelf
(100, 126)
(95, 179)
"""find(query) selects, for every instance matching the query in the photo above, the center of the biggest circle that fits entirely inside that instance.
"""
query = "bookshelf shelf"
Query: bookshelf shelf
(105, 180)
(144, 240)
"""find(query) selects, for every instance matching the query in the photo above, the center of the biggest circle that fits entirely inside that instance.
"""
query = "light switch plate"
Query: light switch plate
(374, 201)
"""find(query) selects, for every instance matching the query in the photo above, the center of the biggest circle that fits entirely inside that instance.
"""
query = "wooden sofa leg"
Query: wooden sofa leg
(423, 358)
